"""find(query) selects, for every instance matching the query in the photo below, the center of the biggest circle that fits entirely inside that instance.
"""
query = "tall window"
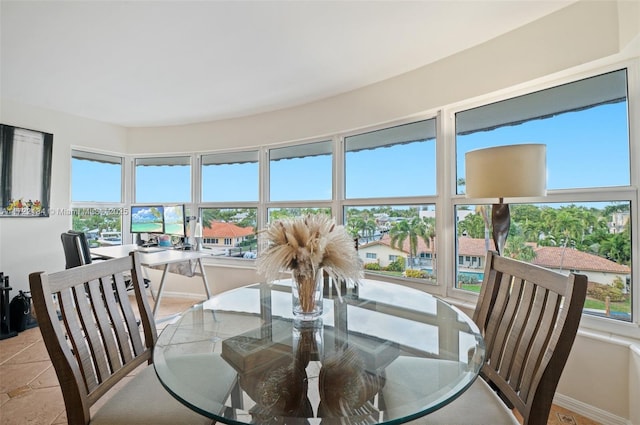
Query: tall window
(163, 179)
(393, 162)
(395, 240)
(584, 125)
(229, 207)
(230, 177)
(301, 173)
(230, 232)
(381, 168)
(96, 196)
(96, 177)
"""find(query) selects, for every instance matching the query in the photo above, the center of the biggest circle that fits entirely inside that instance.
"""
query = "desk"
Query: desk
(337, 369)
(157, 258)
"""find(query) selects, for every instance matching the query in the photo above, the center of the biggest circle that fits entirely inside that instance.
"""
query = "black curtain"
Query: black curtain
(6, 153)
(47, 159)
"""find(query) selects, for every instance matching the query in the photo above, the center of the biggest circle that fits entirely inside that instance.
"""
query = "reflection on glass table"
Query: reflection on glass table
(240, 358)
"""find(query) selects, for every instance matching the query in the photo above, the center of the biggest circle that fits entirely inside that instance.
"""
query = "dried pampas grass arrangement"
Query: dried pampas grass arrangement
(304, 245)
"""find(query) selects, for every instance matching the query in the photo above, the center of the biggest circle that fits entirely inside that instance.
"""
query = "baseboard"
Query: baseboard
(598, 415)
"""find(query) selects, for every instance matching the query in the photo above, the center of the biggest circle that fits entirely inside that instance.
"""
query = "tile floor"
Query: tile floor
(29, 391)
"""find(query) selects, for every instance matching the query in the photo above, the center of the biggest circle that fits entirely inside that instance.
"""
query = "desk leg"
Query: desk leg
(204, 278)
(160, 288)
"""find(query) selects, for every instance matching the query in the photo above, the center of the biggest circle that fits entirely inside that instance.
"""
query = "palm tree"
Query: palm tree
(483, 210)
(517, 248)
(417, 227)
(362, 226)
(403, 230)
(355, 225)
(472, 226)
(528, 217)
(428, 234)
(617, 248)
(569, 228)
(460, 183)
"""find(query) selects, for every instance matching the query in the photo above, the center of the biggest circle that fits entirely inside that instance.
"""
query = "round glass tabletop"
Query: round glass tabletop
(380, 353)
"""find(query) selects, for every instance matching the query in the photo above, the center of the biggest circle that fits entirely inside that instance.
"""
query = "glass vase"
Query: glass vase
(308, 341)
(306, 296)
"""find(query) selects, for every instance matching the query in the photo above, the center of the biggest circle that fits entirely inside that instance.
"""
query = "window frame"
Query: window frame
(592, 194)
(394, 130)
(239, 155)
(134, 177)
(121, 207)
(299, 146)
(446, 199)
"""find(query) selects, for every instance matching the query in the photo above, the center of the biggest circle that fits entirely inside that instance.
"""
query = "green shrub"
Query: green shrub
(466, 279)
(601, 292)
(618, 283)
(372, 266)
(415, 274)
(396, 266)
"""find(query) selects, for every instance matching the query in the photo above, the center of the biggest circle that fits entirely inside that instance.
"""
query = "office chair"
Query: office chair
(76, 249)
(77, 253)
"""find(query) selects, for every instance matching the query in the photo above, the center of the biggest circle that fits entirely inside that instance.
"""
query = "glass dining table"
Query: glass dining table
(380, 353)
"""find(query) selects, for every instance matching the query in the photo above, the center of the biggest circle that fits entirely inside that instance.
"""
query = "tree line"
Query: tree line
(569, 226)
(586, 229)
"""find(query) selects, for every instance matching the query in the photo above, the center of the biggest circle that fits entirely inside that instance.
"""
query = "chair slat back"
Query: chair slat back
(96, 339)
(529, 318)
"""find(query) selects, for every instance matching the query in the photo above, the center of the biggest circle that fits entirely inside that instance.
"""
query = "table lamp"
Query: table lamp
(198, 235)
(505, 172)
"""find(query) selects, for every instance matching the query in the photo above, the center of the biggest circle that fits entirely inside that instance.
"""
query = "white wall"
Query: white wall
(563, 40)
(33, 244)
(582, 33)
(634, 384)
(597, 376)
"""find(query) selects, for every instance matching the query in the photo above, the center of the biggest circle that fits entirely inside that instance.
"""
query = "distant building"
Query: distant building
(226, 235)
(471, 256)
(618, 222)
(460, 214)
(597, 269)
(381, 252)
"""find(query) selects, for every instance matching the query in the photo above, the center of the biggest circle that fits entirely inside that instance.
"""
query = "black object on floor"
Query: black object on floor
(5, 316)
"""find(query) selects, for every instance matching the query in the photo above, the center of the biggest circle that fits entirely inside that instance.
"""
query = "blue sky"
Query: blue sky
(588, 148)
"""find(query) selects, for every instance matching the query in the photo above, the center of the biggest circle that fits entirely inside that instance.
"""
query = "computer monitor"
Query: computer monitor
(174, 220)
(147, 219)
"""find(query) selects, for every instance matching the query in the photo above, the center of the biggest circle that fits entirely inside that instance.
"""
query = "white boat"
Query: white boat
(110, 238)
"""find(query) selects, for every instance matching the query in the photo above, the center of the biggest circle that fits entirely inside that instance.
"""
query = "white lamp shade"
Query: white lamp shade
(198, 231)
(506, 171)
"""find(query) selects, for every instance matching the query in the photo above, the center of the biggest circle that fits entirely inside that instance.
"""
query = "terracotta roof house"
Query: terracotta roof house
(597, 269)
(471, 254)
(225, 234)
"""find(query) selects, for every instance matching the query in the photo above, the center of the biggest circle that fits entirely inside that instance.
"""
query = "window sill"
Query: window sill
(230, 262)
(590, 325)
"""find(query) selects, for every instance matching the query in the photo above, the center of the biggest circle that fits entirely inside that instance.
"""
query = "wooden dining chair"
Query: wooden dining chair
(529, 317)
(97, 342)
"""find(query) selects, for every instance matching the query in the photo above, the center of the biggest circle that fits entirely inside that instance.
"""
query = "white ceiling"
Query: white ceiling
(148, 63)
